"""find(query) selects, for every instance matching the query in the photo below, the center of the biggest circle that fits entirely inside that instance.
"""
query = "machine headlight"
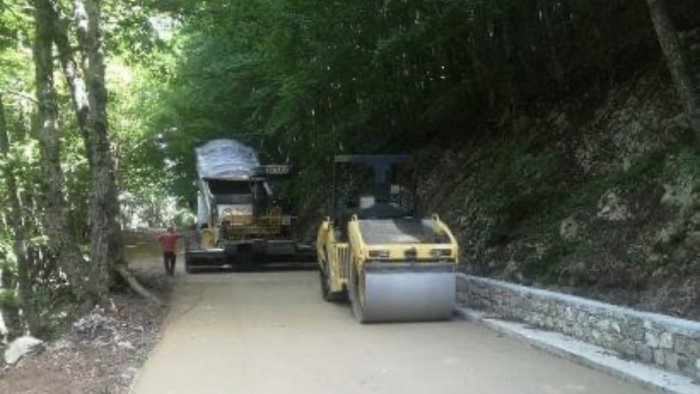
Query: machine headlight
(379, 254)
(438, 253)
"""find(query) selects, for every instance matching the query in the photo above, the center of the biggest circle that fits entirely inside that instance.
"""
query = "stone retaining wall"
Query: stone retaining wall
(668, 342)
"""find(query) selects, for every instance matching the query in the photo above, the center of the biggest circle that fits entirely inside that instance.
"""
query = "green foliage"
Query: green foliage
(514, 182)
(136, 51)
(302, 80)
(685, 167)
(184, 218)
(642, 174)
(548, 266)
(8, 298)
(15, 23)
(8, 260)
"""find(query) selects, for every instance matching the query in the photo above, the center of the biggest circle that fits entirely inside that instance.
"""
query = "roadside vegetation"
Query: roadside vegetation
(511, 107)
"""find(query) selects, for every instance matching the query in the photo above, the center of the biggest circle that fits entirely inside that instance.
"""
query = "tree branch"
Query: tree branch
(136, 286)
(677, 62)
(17, 93)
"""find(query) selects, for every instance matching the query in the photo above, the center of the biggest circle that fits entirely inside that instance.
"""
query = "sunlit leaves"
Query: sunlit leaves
(15, 23)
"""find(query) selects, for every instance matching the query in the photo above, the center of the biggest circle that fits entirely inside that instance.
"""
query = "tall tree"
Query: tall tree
(62, 244)
(107, 251)
(19, 244)
(107, 245)
(73, 77)
(678, 65)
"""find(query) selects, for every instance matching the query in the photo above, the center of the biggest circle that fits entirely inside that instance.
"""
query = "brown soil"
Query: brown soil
(103, 351)
(101, 354)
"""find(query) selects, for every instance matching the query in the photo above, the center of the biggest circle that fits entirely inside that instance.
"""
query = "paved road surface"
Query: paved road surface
(271, 333)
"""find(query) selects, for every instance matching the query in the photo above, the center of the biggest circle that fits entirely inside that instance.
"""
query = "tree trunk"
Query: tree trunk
(19, 244)
(123, 270)
(105, 236)
(677, 63)
(61, 241)
(557, 68)
(74, 79)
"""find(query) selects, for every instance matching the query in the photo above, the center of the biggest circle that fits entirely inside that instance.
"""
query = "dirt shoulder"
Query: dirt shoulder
(102, 351)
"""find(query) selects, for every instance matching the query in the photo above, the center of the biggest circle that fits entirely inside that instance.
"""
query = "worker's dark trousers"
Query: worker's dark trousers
(169, 261)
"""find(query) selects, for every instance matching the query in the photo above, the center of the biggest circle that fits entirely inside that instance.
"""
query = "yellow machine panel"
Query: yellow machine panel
(392, 265)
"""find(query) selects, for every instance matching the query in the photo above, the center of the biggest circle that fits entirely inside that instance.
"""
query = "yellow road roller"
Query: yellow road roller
(373, 248)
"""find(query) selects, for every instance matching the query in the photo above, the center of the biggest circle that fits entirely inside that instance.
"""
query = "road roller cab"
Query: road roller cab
(392, 264)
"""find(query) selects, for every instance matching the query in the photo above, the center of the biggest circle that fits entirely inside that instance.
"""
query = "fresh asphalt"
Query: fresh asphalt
(270, 332)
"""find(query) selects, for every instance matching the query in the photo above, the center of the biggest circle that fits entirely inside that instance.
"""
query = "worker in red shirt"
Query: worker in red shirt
(168, 243)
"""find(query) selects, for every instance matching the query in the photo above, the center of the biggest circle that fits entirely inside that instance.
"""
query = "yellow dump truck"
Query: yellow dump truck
(239, 221)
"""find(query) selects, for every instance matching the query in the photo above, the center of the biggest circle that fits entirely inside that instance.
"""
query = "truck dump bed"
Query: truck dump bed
(225, 159)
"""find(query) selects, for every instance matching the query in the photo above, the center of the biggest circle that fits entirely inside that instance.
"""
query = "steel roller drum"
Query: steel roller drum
(407, 292)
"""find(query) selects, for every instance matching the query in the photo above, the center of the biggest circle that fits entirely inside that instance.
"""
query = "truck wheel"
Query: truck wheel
(188, 267)
(325, 290)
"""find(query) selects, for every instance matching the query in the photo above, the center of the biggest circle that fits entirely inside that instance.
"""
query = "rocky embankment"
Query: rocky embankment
(598, 196)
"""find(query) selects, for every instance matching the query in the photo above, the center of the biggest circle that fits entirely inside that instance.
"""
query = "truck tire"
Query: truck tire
(188, 267)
